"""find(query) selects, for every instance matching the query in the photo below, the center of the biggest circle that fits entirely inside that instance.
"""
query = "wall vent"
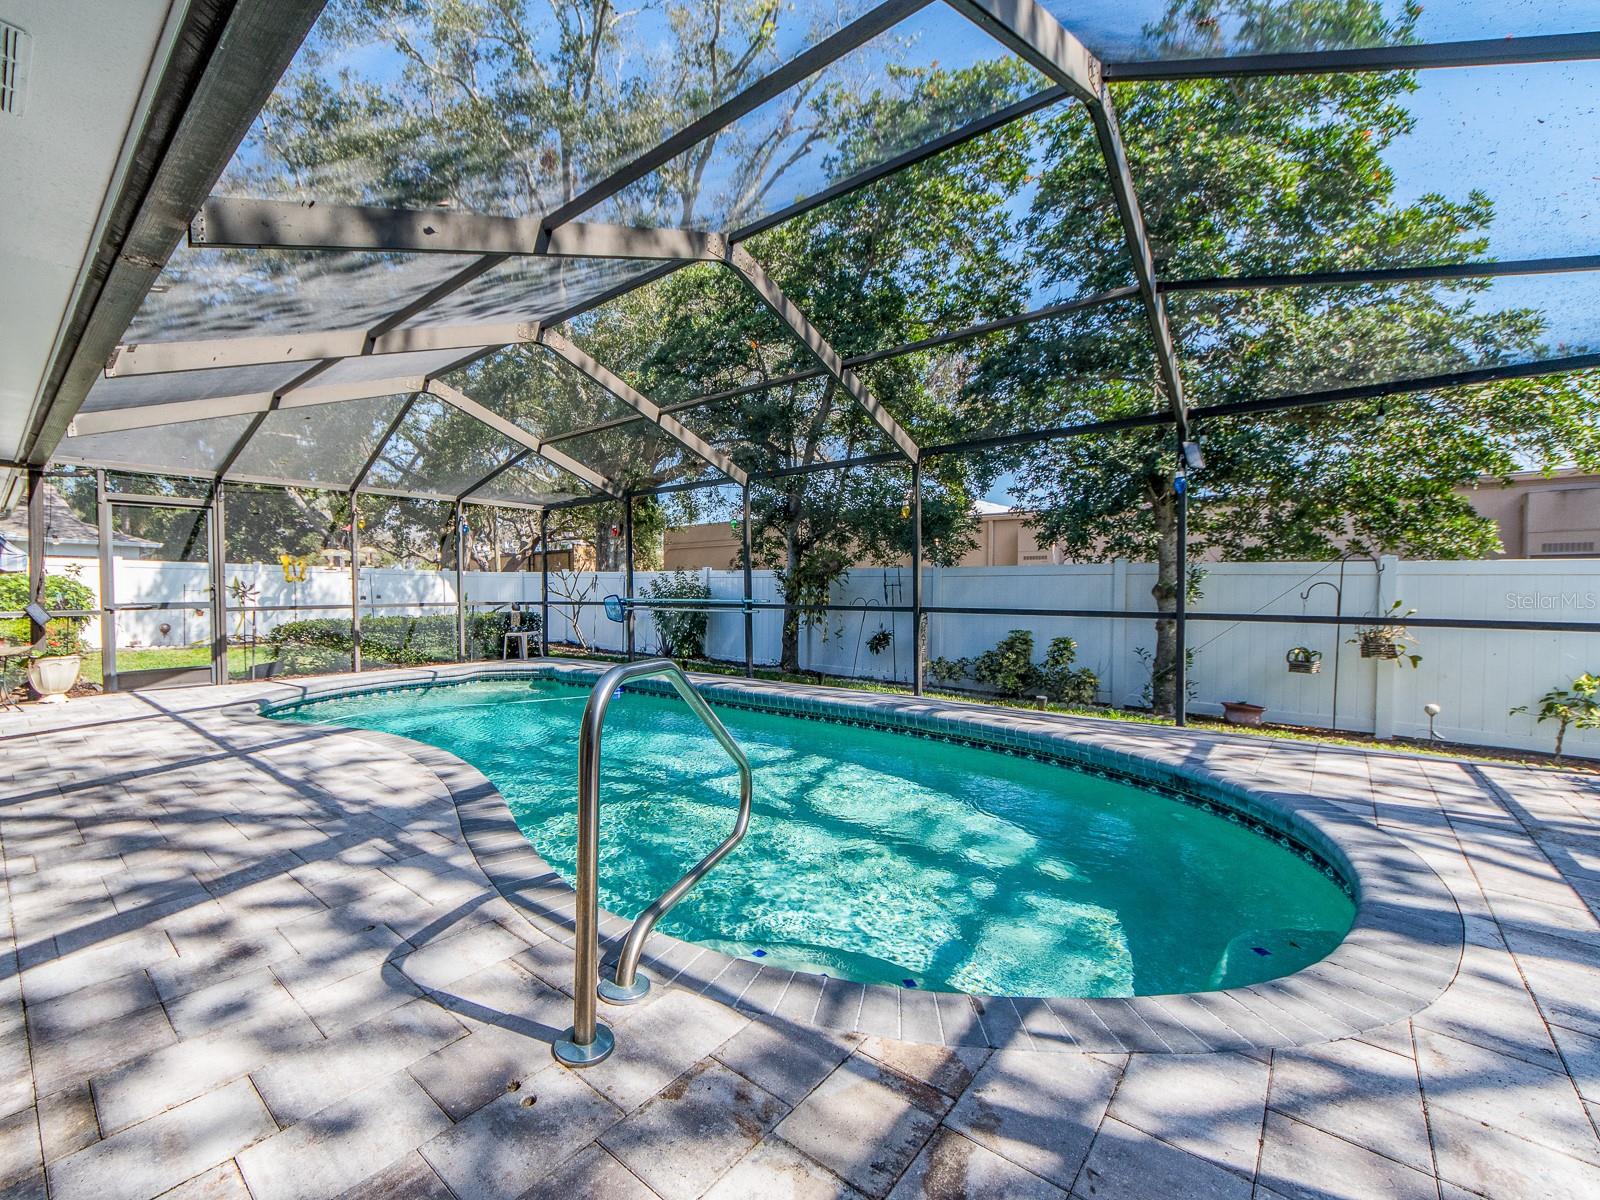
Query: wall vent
(13, 69)
(1567, 548)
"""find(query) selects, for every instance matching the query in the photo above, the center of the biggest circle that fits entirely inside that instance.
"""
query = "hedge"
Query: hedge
(325, 643)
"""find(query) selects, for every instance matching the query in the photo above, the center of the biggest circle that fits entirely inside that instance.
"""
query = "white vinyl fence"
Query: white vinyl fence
(1475, 676)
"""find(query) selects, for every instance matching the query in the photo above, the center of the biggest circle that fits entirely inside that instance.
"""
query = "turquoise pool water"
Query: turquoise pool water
(884, 858)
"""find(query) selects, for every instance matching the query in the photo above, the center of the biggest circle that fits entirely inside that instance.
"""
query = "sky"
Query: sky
(1527, 136)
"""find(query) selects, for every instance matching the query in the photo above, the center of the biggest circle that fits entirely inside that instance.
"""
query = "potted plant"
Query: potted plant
(55, 661)
(1574, 707)
(53, 670)
(1303, 660)
(1241, 712)
(1387, 637)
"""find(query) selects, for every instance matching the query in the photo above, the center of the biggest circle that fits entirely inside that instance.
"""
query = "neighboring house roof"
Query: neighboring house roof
(61, 525)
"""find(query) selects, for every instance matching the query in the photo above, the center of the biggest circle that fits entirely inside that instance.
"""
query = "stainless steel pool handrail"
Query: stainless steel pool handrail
(589, 1042)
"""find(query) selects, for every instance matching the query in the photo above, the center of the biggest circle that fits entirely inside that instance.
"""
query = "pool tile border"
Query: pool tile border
(1401, 953)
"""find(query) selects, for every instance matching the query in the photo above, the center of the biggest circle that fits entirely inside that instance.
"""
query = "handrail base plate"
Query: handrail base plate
(570, 1054)
(614, 993)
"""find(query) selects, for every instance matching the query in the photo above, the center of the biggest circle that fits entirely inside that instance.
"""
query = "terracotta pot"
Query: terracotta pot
(1237, 712)
(52, 678)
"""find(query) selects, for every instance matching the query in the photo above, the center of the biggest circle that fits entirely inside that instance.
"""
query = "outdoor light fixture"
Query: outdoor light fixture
(1433, 711)
(36, 614)
(1192, 456)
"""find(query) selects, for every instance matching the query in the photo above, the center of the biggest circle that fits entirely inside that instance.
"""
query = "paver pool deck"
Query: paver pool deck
(256, 959)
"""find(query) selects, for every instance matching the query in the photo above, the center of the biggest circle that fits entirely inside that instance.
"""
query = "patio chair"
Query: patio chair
(516, 633)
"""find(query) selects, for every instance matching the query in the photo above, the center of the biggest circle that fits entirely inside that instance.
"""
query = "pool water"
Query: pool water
(884, 858)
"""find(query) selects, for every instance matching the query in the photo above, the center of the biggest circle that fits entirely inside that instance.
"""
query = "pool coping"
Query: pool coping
(1402, 951)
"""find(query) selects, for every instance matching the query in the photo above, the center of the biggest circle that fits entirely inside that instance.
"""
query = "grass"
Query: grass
(240, 657)
(1282, 733)
(153, 658)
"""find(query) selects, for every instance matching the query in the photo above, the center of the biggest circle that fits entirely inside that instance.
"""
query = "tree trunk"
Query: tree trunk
(608, 548)
(1164, 666)
(793, 552)
(789, 658)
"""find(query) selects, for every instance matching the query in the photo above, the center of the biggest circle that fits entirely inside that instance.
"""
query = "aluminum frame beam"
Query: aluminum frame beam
(857, 33)
(1471, 270)
(643, 405)
(1025, 28)
(1155, 420)
(514, 461)
(398, 420)
(579, 238)
(147, 416)
(459, 400)
(162, 358)
(225, 61)
(741, 261)
(1486, 52)
(1025, 107)
(262, 403)
(1038, 37)
(248, 223)
(1471, 377)
(856, 360)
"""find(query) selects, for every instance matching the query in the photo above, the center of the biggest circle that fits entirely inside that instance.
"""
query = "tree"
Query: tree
(482, 106)
(1276, 174)
(919, 252)
(1574, 707)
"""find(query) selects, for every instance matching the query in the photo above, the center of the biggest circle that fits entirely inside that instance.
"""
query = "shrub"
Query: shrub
(1062, 682)
(1191, 688)
(324, 644)
(949, 670)
(683, 631)
(63, 635)
(1009, 668)
(1576, 707)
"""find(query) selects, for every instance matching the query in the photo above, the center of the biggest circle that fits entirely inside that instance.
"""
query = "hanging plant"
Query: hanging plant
(1303, 660)
(1388, 638)
(880, 641)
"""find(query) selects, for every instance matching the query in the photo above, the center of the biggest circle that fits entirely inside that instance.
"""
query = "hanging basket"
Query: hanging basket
(1378, 643)
(1303, 661)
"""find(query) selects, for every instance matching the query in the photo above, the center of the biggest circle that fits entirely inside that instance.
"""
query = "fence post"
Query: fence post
(627, 569)
(36, 536)
(1385, 672)
(461, 583)
(1119, 630)
(749, 613)
(355, 583)
(916, 579)
(219, 583)
(1180, 695)
(544, 583)
(108, 615)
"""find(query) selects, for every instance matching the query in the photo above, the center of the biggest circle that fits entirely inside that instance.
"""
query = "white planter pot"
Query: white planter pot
(52, 678)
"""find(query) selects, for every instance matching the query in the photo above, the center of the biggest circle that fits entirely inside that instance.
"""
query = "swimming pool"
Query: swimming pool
(883, 858)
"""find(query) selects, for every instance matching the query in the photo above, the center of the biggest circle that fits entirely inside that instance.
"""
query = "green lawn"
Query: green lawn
(151, 658)
(240, 658)
(1287, 733)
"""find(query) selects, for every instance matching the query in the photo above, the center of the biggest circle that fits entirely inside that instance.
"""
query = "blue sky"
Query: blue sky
(1527, 136)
